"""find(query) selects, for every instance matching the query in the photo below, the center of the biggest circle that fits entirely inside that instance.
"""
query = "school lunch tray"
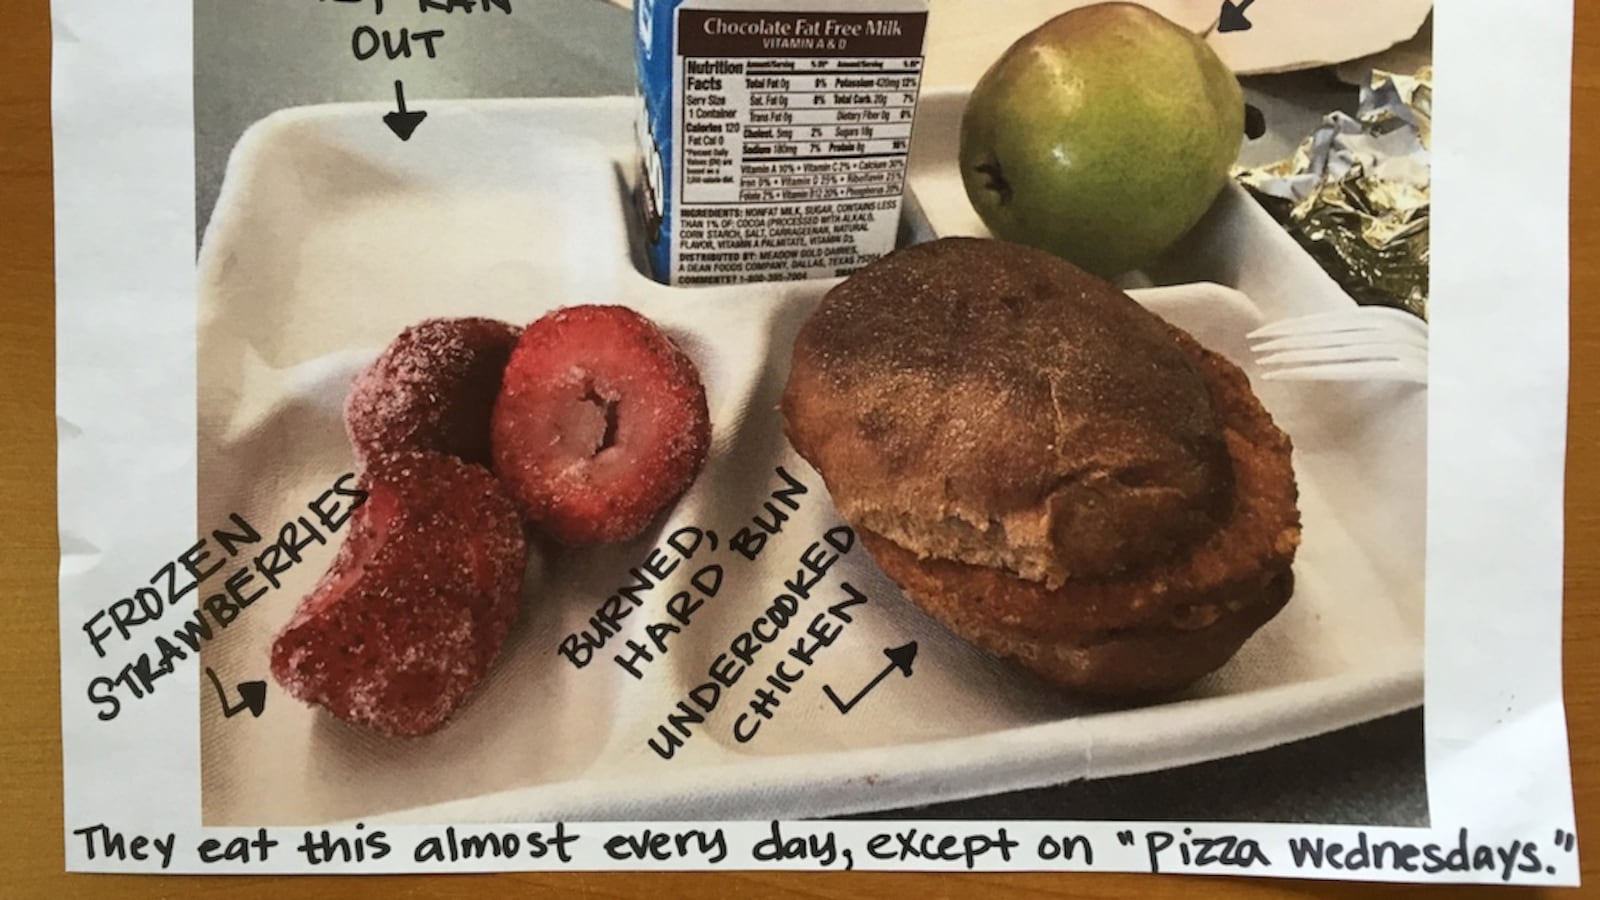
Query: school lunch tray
(330, 236)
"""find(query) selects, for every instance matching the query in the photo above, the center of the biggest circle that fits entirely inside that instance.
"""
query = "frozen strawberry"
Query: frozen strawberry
(433, 388)
(601, 424)
(417, 603)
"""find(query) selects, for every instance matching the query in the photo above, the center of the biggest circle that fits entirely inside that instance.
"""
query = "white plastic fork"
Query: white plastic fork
(1368, 343)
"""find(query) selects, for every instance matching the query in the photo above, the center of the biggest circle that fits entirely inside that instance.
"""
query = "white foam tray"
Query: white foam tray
(330, 236)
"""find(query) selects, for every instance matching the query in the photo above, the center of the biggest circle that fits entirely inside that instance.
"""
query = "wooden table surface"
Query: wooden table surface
(30, 754)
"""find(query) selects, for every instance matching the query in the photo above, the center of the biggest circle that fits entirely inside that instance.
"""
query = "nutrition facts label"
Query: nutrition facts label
(794, 135)
(782, 130)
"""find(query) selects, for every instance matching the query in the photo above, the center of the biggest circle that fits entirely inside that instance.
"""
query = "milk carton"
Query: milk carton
(774, 135)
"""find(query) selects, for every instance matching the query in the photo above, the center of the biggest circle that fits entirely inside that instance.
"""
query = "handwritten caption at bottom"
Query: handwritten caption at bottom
(1452, 855)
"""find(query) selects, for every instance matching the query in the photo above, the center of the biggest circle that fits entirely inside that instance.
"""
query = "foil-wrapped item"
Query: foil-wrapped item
(1356, 193)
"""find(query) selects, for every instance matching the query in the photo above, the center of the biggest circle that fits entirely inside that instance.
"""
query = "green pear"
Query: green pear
(1102, 136)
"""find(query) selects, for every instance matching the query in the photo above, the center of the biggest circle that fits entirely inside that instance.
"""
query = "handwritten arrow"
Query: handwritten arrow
(899, 658)
(403, 122)
(252, 696)
(1233, 16)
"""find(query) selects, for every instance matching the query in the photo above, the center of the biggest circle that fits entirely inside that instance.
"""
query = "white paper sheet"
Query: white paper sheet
(186, 394)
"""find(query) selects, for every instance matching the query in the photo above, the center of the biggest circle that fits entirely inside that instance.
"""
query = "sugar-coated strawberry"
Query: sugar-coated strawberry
(601, 424)
(417, 603)
(433, 388)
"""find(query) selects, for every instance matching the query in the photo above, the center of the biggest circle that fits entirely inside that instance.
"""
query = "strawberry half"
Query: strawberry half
(601, 424)
(417, 603)
(431, 389)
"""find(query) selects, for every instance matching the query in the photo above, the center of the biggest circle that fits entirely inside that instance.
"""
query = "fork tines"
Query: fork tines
(1366, 343)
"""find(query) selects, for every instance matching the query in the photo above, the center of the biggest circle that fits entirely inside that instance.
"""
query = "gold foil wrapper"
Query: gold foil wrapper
(1356, 193)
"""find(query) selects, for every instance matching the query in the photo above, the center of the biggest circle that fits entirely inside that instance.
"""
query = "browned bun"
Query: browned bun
(1054, 473)
(1150, 631)
(991, 404)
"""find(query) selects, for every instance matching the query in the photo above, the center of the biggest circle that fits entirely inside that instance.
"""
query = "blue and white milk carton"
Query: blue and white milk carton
(774, 134)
